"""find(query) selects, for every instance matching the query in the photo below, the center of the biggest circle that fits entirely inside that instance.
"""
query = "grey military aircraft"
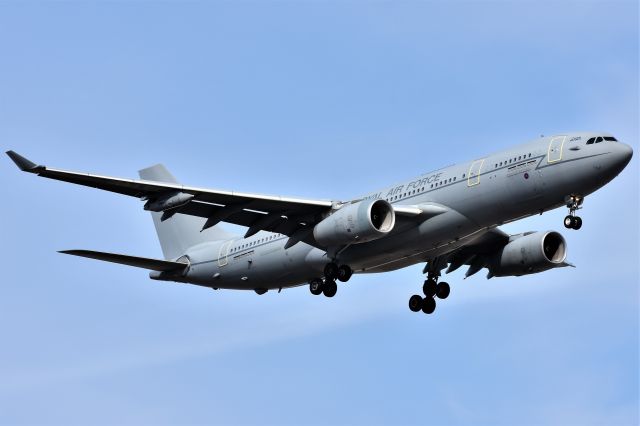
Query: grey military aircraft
(446, 219)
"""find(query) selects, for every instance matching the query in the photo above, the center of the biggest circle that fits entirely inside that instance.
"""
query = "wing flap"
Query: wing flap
(123, 259)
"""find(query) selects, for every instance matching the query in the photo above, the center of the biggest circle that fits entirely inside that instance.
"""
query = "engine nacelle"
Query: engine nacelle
(528, 254)
(356, 223)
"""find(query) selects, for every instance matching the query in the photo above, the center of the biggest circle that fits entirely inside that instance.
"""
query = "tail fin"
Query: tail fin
(179, 232)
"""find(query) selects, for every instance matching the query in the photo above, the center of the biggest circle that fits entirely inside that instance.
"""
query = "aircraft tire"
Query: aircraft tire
(443, 290)
(415, 303)
(330, 289)
(569, 222)
(315, 287)
(429, 287)
(344, 273)
(577, 223)
(428, 305)
(331, 271)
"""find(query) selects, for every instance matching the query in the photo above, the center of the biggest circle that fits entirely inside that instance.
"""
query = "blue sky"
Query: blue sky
(320, 99)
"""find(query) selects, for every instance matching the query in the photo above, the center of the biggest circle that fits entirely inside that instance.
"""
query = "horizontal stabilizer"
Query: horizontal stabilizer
(138, 262)
(24, 164)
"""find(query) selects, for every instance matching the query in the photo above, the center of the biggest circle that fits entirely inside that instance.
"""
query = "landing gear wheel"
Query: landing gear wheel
(577, 222)
(429, 287)
(428, 305)
(315, 287)
(330, 288)
(443, 290)
(415, 303)
(569, 222)
(331, 271)
(344, 273)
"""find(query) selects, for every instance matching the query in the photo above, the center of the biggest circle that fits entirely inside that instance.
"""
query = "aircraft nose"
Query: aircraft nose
(626, 152)
(622, 154)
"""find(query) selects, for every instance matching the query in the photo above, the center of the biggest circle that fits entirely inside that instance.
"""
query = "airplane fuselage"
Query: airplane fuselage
(481, 194)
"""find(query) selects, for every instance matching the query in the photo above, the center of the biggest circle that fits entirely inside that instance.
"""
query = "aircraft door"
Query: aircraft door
(555, 149)
(223, 253)
(474, 173)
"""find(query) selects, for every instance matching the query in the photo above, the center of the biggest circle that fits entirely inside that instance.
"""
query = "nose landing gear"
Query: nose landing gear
(574, 203)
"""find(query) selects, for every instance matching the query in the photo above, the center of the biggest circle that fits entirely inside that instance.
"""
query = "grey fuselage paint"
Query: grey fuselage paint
(479, 195)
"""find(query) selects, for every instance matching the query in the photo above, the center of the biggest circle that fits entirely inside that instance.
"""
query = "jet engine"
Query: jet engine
(355, 223)
(530, 253)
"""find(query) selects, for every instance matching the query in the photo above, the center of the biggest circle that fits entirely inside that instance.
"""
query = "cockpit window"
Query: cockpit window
(600, 139)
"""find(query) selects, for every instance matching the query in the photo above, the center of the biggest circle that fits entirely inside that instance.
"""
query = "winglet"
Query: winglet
(24, 164)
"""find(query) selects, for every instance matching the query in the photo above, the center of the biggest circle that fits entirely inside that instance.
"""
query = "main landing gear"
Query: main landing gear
(431, 289)
(571, 221)
(328, 286)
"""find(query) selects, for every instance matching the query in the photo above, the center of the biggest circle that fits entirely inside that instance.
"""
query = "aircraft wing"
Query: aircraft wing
(478, 253)
(289, 216)
(294, 217)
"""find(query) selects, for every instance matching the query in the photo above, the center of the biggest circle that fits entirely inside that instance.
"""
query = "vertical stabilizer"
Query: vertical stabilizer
(179, 232)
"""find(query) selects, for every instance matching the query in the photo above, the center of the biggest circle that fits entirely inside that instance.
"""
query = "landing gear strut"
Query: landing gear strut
(328, 286)
(571, 221)
(432, 289)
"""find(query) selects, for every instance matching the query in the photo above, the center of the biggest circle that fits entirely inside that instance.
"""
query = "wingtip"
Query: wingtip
(22, 163)
(73, 252)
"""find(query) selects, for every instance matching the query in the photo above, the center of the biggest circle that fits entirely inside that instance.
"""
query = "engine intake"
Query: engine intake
(355, 223)
(531, 253)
